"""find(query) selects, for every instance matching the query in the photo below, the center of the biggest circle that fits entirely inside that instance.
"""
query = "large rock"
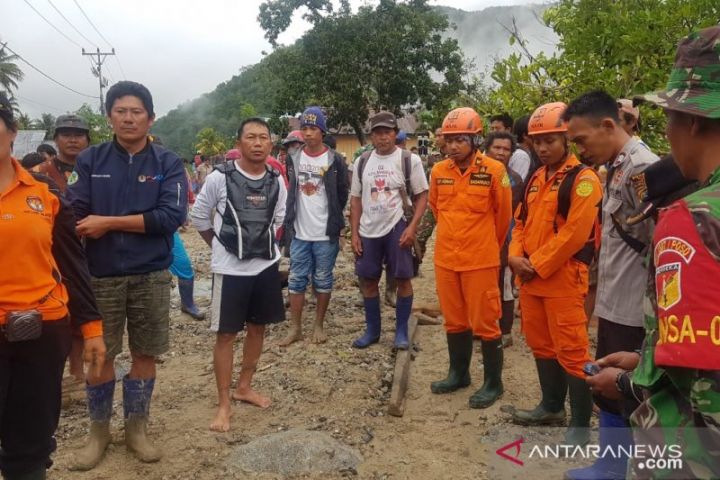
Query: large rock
(295, 452)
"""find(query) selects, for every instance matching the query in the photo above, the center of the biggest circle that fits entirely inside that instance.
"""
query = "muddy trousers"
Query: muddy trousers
(556, 328)
(470, 301)
(30, 388)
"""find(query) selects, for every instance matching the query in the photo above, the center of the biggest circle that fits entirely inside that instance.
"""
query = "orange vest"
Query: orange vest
(27, 266)
(550, 251)
(473, 212)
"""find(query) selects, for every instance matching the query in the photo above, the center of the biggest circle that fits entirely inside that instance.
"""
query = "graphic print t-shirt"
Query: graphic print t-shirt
(382, 179)
(312, 204)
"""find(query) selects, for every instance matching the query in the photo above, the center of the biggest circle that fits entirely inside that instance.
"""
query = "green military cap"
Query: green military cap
(694, 84)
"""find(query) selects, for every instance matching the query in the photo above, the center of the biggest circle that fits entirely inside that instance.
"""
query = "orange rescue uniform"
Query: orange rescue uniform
(28, 214)
(473, 210)
(552, 303)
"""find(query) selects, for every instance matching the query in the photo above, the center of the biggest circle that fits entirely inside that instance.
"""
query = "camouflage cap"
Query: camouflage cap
(694, 84)
(71, 122)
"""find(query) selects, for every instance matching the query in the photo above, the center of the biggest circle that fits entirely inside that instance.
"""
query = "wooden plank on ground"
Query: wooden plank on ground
(428, 320)
(401, 377)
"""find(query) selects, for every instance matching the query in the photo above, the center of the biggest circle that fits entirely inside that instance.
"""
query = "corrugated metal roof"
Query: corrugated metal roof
(27, 141)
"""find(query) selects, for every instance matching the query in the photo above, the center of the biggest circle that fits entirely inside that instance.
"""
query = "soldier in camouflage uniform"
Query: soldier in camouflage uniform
(427, 223)
(678, 367)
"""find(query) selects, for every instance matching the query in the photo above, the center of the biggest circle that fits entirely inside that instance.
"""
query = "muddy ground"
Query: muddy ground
(332, 388)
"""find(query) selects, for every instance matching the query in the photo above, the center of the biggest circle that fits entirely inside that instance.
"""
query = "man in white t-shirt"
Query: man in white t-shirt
(317, 194)
(380, 232)
(250, 201)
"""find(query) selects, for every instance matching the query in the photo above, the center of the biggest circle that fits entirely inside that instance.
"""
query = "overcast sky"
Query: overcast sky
(179, 49)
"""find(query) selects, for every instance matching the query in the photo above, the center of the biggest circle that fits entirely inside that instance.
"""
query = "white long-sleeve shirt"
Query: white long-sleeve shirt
(213, 197)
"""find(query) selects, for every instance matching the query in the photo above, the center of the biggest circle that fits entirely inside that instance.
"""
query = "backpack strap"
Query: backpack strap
(523, 202)
(632, 242)
(565, 191)
(362, 161)
(407, 169)
(587, 253)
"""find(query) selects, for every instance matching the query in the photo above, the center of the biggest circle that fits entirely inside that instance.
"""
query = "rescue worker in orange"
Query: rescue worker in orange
(45, 279)
(471, 199)
(552, 245)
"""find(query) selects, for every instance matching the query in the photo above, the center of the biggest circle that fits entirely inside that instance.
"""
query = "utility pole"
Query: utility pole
(98, 58)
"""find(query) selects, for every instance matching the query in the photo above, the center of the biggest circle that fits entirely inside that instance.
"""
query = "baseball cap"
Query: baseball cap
(658, 186)
(383, 119)
(71, 121)
(314, 117)
(693, 86)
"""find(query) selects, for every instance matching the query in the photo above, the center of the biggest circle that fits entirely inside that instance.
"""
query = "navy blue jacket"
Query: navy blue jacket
(108, 181)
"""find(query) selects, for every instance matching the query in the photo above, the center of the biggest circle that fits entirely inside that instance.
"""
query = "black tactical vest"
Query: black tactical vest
(247, 222)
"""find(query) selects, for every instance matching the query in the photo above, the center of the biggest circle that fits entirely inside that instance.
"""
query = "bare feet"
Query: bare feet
(252, 397)
(292, 337)
(319, 335)
(221, 422)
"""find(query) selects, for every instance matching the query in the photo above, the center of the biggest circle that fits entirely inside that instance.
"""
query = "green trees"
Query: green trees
(387, 56)
(209, 142)
(10, 73)
(625, 47)
(100, 130)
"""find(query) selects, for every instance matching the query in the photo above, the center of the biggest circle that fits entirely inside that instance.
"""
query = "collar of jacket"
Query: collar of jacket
(122, 150)
(474, 164)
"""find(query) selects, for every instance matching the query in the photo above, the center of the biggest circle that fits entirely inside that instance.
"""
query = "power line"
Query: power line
(97, 69)
(117, 59)
(40, 104)
(71, 24)
(45, 74)
(52, 25)
(92, 24)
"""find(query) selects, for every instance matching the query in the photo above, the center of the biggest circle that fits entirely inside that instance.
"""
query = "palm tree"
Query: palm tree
(10, 73)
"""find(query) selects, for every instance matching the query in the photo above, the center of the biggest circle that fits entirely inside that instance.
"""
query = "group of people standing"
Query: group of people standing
(88, 239)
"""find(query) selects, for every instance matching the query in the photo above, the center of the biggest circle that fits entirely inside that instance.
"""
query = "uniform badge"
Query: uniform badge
(142, 178)
(505, 181)
(640, 185)
(584, 188)
(667, 283)
(35, 203)
(72, 178)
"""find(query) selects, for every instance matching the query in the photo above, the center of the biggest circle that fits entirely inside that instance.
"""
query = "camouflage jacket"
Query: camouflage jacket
(681, 405)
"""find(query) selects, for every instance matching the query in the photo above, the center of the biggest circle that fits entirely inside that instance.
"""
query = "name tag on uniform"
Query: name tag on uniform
(533, 189)
(445, 181)
(482, 179)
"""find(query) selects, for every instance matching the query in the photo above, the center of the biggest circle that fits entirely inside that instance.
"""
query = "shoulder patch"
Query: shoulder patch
(73, 178)
(640, 185)
(584, 188)
(505, 180)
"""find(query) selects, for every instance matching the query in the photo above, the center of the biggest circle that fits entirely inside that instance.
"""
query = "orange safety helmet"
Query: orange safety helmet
(462, 120)
(548, 119)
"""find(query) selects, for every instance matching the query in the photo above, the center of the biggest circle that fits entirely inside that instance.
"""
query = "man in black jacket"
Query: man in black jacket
(317, 193)
(129, 196)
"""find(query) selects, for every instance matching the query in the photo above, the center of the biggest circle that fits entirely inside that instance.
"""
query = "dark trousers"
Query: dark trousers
(30, 397)
(613, 337)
